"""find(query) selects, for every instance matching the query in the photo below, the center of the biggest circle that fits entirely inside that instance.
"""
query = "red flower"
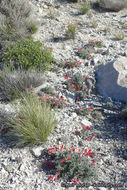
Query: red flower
(87, 97)
(62, 160)
(78, 99)
(91, 108)
(51, 177)
(89, 153)
(83, 127)
(73, 149)
(88, 127)
(78, 88)
(69, 158)
(93, 162)
(76, 132)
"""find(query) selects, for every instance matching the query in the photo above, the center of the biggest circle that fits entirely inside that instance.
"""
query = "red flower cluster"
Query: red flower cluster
(84, 110)
(96, 43)
(67, 75)
(73, 63)
(54, 101)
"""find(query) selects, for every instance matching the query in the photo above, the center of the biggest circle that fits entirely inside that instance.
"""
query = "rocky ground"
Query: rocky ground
(21, 169)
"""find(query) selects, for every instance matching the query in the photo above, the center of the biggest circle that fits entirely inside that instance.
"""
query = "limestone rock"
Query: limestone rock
(112, 79)
(114, 5)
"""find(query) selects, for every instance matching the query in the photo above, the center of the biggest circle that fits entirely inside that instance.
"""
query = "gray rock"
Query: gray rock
(114, 5)
(37, 151)
(112, 79)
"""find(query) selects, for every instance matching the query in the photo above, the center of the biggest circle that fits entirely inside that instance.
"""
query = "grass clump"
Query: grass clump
(84, 7)
(34, 121)
(119, 36)
(12, 83)
(71, 30)
(27, 54)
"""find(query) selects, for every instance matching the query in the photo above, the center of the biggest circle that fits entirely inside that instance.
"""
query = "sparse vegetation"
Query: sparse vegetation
(94, 24)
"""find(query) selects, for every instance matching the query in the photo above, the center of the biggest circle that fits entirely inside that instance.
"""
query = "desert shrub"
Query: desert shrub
(76, 81)
(71, 63)
(15, 20)
(82, 53)
(72, 166)
(13, 83)
(27, 54)
(71, 30)
(33, 122)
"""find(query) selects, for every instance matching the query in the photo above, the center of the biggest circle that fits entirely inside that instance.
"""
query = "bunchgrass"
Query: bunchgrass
(34, 121)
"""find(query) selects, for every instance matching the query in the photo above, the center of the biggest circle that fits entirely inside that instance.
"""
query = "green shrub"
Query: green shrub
(12, 83)
(27, 54)
(34, 121)
(82, 53)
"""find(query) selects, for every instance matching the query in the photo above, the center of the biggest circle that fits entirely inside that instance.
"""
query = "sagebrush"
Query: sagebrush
(16, 20)
(12, 83)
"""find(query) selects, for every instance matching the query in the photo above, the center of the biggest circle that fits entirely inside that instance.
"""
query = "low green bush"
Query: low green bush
(34, 122)
(27, 54)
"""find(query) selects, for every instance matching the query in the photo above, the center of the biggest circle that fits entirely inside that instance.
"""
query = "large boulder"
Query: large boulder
(112, 79)
(114, 5)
